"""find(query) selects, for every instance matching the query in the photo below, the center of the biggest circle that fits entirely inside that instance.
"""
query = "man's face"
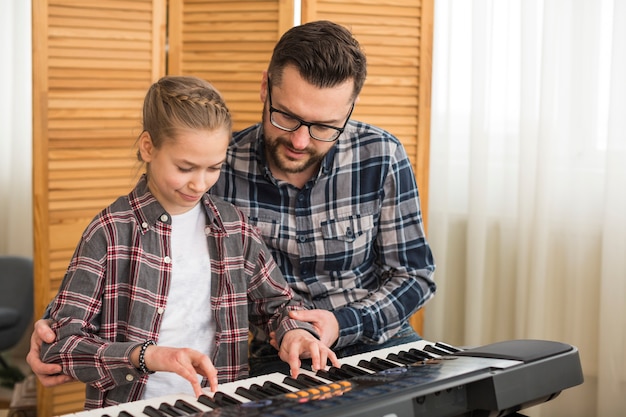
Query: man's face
(296, 155)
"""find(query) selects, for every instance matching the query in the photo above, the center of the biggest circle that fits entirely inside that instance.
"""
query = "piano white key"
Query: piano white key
(113, 411)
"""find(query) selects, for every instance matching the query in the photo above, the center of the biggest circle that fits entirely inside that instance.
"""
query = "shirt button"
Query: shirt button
(144, 225)
(167, 260)
(160, 310)
(164, 217)
(302, 238)
(130, 377)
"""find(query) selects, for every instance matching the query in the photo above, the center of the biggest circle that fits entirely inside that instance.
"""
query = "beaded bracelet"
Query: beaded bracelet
(142, 357)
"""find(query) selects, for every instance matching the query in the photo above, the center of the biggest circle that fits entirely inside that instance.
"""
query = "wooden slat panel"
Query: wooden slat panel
(92, 64)
(228, 44)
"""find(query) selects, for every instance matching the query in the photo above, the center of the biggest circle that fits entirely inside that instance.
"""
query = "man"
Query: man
(335, 200)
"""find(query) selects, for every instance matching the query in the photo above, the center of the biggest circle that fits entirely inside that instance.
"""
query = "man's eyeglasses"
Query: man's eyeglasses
(290, 123)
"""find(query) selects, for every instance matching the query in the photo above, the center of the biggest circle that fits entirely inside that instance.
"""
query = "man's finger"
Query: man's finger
(52, 381)
(273, 341)
(43, 332)
(304, 315)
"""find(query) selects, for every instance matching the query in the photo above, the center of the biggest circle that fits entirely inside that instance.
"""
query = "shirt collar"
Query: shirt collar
(149, 211)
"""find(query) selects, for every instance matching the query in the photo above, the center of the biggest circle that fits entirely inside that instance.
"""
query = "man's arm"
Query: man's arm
(404, 259)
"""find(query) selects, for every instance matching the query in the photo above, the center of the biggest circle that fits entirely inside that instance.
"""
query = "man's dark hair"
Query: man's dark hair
(324, 53)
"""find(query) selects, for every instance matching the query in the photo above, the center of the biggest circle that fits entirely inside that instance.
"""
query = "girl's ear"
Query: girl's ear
(146, 147)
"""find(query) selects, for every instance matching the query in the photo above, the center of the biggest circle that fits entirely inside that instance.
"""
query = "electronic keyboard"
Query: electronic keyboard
(415, 379)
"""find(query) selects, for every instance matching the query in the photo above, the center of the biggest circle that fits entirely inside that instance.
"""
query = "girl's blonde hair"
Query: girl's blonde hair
(182, 102)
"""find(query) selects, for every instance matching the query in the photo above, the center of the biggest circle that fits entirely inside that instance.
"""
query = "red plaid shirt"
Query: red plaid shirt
(115, 291)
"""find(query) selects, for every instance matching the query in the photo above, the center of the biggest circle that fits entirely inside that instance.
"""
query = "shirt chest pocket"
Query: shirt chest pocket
(270, 231)
(347, 229)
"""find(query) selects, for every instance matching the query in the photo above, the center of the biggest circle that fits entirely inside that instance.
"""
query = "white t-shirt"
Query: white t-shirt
(187, 320)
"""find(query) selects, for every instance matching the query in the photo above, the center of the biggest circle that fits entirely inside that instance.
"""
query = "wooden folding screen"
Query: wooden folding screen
(93, 62)
(397, 36)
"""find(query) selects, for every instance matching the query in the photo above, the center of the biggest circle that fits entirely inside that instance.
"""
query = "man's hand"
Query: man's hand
(299, 343)
(188, 363)
(48, 374)
(324, 322)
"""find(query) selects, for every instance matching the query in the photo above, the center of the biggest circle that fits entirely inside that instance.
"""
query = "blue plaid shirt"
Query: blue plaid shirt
(351, 240)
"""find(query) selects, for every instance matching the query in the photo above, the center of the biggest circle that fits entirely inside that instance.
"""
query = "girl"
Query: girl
(168, 278)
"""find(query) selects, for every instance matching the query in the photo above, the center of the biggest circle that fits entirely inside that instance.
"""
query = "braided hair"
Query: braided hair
(182, 102)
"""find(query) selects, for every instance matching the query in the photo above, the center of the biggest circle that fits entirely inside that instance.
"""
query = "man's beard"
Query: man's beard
(284, 164)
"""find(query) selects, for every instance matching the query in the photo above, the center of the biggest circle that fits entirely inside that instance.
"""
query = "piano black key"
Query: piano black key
(340, 373)
(449, 348)
(153, 412)
(353, 370)
(397, 358)
(435, 350)
(275, 387)
(293, 382)
(247, 393)
(125, 413)
(327, 375)
(411, 356)
(186, 407)
(208, 401)
(384, 362)
(170, 410)
(421, 353)
(371, 366)
(263, 392)
(224, 400)
(310, 380)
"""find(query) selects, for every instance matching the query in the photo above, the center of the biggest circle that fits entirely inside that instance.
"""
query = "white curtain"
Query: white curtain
(527, 211)
(16, 217)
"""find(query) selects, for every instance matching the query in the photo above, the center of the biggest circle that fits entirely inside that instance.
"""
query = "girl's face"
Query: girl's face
(184, 167)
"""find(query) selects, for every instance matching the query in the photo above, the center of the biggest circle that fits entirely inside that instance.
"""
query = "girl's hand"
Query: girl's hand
(185, 362)
(299, 343)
